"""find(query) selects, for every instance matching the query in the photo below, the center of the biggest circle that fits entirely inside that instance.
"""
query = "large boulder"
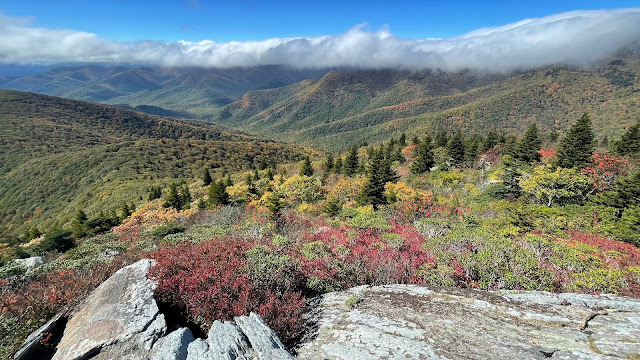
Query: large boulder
(30, 263)
(119, 319)
(248, 338)
(404, 321)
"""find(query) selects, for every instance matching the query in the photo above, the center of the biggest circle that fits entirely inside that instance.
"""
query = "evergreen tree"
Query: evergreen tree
(553, 137)
(329, 163)
(424, 159)
(629, 143)
(441, 139)
(206, 177)
(155, 192)
(490, 141)
(605, 141)
(456, 148)
(173, 198)
(472, 148)
(185, 197)
(529, 145)
(577, 146)
(306, 169)
(218, 194)
(511, 146)
(227, 181)
(380, 173)
(125, 211)
(350, 166)
(337, 168)
(397, 156)
(403, 140)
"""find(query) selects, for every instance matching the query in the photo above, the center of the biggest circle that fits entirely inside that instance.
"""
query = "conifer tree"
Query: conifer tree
(403, 140)
(206, 177)
(380, 173)
(337, 167)
(173, 197)
(441, 139)
(629, 143)
(350, 166)
(218, 194)
(456, 148)
(424, 159)
(227, 181)
(529, 145)
(490, 141)
(577, 146)
(329, 163)
(306, 169)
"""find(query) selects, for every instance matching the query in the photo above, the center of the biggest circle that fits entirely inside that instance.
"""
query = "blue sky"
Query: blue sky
(225, 20)
(495, 36)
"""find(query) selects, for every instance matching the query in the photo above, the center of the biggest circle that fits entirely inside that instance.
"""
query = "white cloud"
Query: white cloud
(575, 37)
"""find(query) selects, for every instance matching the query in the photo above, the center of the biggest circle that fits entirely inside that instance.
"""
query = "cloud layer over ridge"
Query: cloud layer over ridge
(576, 37)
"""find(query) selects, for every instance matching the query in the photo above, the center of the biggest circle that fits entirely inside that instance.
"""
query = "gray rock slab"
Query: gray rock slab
(413, 322)
(173, 346)
(120, 319)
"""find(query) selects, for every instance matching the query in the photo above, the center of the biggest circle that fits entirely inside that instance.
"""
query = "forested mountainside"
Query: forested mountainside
(58, 155)
(186, 92)
(346, 108)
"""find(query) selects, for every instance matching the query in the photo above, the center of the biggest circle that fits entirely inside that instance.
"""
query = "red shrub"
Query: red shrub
(207, 282)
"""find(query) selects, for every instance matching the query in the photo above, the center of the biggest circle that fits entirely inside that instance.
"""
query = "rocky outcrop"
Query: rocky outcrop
(30, 263)
(118, 317)
(403, 321)
(121, 320)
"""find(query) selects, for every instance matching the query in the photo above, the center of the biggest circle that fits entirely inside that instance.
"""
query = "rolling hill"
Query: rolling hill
(59, 155)
(190, 92)
(345, 108)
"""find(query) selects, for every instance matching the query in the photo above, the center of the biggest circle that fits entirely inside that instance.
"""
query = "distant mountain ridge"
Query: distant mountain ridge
(346, 108)
(59, 155)
(192, 92)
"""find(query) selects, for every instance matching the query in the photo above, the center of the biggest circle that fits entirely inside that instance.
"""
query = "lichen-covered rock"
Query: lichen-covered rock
(119, 319)
(30, 263)
(404, 321)
(173, 346)
(248, 338)
(263, 340)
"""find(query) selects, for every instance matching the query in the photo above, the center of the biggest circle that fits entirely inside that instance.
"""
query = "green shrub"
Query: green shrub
(57, 240)
(164, 230)
(598, 281)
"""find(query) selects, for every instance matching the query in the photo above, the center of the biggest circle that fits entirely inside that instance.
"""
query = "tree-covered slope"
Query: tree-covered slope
(59, 155)
(347, 108)
(197, 92)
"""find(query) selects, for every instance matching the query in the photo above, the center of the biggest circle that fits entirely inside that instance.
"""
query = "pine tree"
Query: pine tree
(629, 143)
(218, 194)
(490, 141)
(529, 145)
(350, 166)
(441, 139)
(380, 174)
(206, 177)
(403, 140)
(328, 163)
(185, 197)
(306, 169)
(456, 148)
(424, 159)
(173, 198)
(337, 168)
(577, 146)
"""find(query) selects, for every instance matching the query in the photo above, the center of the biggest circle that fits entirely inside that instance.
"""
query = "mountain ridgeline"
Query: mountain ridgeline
(346, 108)
(59, 155)
(183, 92)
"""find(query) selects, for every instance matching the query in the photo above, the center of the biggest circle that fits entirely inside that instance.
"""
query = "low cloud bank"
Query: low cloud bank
(577, 37)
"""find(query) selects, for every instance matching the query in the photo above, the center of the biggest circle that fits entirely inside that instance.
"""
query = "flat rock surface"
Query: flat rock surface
(412, 322)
